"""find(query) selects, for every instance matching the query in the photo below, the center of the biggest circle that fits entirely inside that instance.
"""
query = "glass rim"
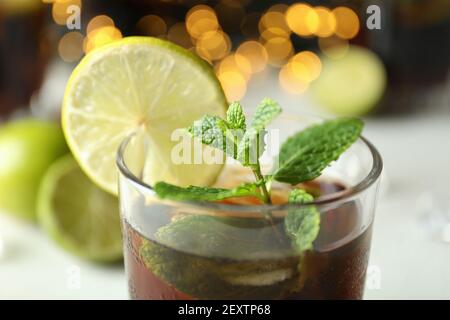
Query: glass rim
(335, 197)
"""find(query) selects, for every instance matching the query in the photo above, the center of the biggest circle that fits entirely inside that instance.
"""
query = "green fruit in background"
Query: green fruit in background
(350, 85)
(78, 215)
(27, 148)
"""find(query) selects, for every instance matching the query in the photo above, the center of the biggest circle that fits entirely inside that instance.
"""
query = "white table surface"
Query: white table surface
(409, 257)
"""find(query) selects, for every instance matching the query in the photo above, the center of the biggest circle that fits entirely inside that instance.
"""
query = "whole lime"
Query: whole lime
(27, 148)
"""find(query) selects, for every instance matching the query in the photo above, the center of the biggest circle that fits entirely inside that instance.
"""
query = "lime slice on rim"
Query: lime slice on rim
(145, 85)
(79, 216)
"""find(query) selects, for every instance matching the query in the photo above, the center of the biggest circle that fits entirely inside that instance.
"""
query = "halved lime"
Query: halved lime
(144, 85)
(79, 216)
(350, 85)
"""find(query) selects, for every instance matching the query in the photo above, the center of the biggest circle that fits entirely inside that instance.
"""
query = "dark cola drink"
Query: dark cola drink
(245, 257)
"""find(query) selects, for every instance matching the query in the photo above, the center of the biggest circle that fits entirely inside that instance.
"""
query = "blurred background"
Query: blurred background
(387, 61)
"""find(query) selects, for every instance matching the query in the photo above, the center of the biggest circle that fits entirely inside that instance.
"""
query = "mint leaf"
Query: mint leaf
(266, 111)
(236, 117)
(252, 144)
(302, 225)
(305, 155)
(192, 193)
(215, 132)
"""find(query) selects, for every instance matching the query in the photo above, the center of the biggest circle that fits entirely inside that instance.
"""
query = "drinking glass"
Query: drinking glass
(231, 250)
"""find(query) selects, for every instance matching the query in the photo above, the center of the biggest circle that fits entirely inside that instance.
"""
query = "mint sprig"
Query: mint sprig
(302, 157)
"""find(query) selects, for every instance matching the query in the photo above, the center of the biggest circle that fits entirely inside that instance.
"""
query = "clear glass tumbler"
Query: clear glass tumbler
(230, 250)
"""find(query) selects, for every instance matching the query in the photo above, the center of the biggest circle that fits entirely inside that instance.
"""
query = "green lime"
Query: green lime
(350, 85)
(27, 148)
(145, 85)
(79, 216)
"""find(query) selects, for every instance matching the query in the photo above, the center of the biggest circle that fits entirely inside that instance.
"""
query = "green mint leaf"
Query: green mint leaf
(252, 144)
(305, 155)
(302, 225)
(215, 132)
(236, 117)
(192, 193)
(266, 111)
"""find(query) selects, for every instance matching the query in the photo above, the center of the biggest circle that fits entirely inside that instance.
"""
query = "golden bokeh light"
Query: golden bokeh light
(235, 63)
(291, 82)
(255, 53)
(302, 19)
(70, 46)
(152, 25)
(213, 45)
(233, 84)
(273, 20)
(100, 37)
(334, 47)
(99, 22)
(347, 22)
(327, 22)
(279, 50)
(201, 19)
(273, 33)
(306, 65)
(61, 12)
(179, 35)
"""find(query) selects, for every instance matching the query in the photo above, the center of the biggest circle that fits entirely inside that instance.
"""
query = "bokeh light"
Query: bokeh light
(274, 20)
(327, 22)
(333, 47)
(179, 35)
(255, 53)
(347, 22)
(306, 65)
(291, 82)
(213, 45)
(233, 84)
(201, 19)
(19, 6)
(279, 50)
(152, 25)
(60, 12)
(302, 19)
(235, 63)
(70, 46)
(99, 22)
(100, 37)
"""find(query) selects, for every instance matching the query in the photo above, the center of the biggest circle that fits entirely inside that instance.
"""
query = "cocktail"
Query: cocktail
(204, 217)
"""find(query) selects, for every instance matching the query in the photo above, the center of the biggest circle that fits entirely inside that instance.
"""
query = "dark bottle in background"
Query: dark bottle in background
(414, 44)
(23, 54)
